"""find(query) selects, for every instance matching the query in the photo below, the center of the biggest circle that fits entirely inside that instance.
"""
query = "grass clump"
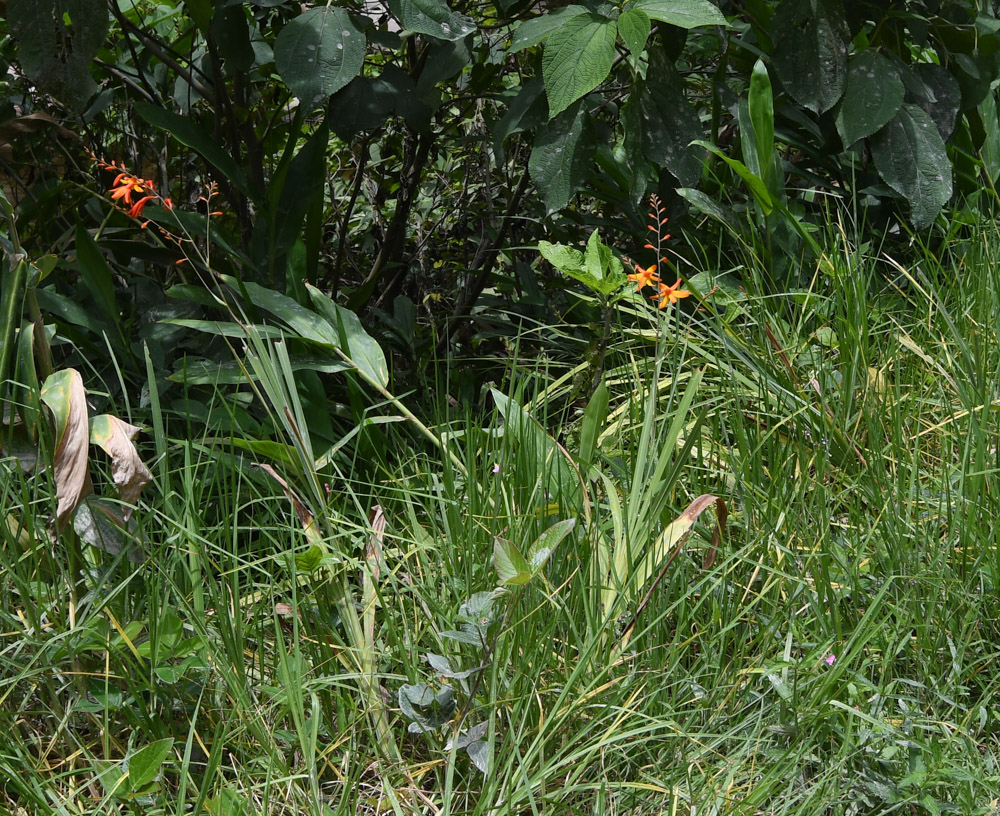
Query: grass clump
(524, 619)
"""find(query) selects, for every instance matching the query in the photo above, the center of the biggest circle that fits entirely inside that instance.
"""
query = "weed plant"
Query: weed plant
(837, 653)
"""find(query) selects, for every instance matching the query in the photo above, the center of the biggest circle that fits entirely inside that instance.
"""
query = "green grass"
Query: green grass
(851, 430)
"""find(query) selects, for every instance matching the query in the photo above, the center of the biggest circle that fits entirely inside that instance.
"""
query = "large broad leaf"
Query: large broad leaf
(810, 52)
(319, 52)
(306, 324)
(534, 31)
(667, 122)
(190, 135)
(682, 13)
(363, 350)
(65, 397)
(367, 102)
(56, 43)
(935, 90)
(578, 57)
(911, 158)
(562, 156)
(433, 18)
(873, 94)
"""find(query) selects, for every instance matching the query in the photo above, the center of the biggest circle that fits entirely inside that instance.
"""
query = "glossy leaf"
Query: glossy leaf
(634, 27)
(433, 18)
(578, 57)
(911, 158)
(541, 548)
(934, 89)
(562, 156)
(512, 567)
(872, 96)
(319, 52)
(363, 350)
(810, 51)
(682, 13)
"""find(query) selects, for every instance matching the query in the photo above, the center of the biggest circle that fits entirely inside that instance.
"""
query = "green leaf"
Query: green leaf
(189, 134)
(912, 159)
(306, 324)
(753, 181)
(563, 258)
(536, 30)
(526, 111)
(144, 764)
(810, 52)
(232, 35)
(872, 96)
(512, 568)
(578, 57)
(543, 546)
(433, 18)
(593, 422)
(634, 27)
(935, 90)
(96, 276)
(666, 122)
(362, 349)
(760, 104)
(562, 156)
(319, 52)
(682, 13)
(200, 11)
(56, 43)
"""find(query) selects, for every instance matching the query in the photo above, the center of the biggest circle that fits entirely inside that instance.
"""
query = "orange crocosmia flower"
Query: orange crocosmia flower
(137, 208)
(670, 294)
(644, 277)
(125, 185)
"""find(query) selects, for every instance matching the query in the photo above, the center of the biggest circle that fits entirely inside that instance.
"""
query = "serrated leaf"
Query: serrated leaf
(562, 156)
(319, 52)
(682, 13)
(810, 52)
(634, 27)
(562, 257)
(577, 58)
(433, 18)
(534, 31)
(512, 568)
(912, 159)
(873, 93)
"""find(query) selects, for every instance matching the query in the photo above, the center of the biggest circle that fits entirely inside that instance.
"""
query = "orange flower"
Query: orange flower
(644, 277)
(124, 185)
(670, 294)
(137, 208)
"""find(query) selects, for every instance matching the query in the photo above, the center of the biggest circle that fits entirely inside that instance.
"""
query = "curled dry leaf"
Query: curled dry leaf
(65, 397)
(130, 473)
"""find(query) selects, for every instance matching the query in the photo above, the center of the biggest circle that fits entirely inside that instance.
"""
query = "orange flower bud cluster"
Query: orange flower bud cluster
(650, 275)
